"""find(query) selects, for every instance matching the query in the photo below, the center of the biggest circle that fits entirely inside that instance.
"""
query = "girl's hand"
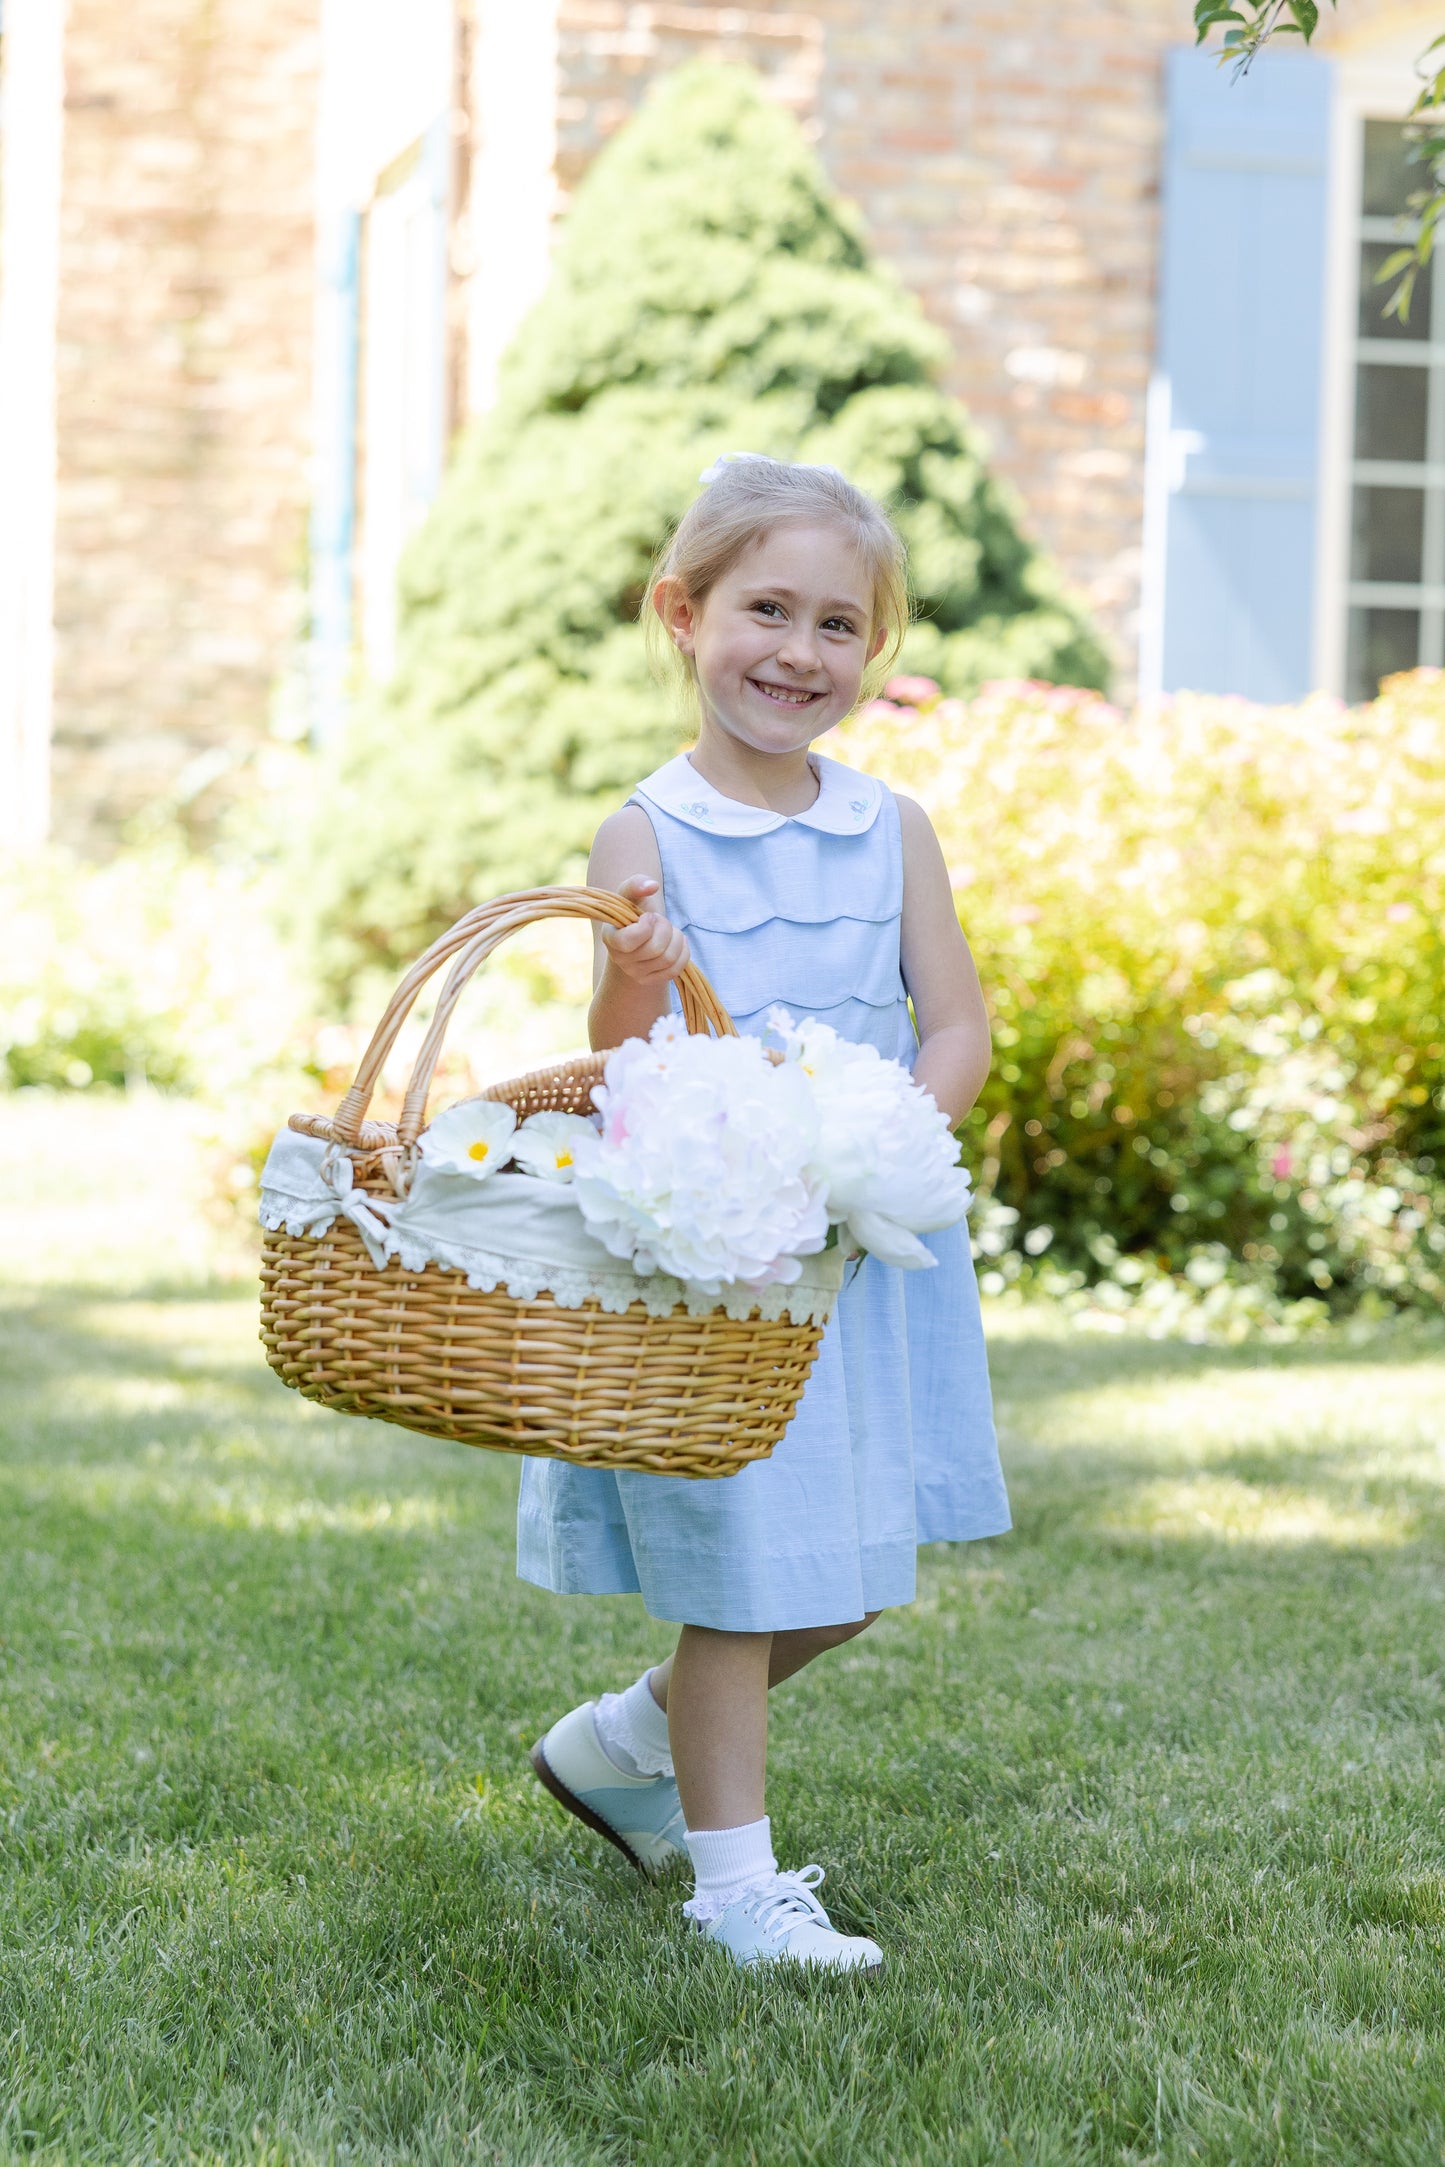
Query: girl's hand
(653, 950)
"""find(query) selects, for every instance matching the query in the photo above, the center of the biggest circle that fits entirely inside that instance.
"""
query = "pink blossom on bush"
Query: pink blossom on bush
(1208, 934)
(911, 691)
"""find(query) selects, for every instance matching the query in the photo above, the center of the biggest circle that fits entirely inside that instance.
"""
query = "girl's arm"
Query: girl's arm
(633, 965)
(954, 1045)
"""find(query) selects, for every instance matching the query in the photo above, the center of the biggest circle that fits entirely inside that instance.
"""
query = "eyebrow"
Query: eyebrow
(790, 594)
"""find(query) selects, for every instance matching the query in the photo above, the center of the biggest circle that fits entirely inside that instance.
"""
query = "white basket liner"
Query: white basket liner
(513, 1231)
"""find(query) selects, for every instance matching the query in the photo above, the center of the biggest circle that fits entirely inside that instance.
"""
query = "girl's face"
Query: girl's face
(781, 642)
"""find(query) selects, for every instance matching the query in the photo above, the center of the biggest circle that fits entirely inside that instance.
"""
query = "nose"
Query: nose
(799, 651)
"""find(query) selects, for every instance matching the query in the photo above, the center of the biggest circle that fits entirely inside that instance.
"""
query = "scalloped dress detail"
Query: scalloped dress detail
(893, 1442)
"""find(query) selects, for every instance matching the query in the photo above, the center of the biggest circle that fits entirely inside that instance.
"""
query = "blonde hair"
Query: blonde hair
(744, 498)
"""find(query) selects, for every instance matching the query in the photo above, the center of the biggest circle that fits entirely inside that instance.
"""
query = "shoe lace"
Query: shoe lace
(789, 1897)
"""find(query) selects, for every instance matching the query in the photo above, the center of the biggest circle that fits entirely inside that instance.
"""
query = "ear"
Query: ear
(678, 613)
(879, 641)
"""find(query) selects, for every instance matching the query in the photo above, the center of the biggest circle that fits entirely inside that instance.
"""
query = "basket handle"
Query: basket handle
(471, 940)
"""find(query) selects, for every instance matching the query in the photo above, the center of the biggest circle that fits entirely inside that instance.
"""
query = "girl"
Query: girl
(792, 880)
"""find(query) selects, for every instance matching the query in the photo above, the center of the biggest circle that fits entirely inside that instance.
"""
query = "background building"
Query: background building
(259, 261)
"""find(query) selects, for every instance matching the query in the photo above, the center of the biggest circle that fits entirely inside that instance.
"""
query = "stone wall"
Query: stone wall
(183, 393)
(1006, 158)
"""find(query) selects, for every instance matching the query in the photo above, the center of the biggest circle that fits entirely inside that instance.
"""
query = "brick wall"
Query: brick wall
(183, 392)
(1006, 159)
(609, 51)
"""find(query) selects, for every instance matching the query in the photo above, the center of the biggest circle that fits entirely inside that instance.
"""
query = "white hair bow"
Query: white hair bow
(733, 458)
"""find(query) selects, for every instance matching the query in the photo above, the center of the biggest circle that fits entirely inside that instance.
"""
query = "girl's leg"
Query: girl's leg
(792, 1650)
(715, 1694)
(715, 1690)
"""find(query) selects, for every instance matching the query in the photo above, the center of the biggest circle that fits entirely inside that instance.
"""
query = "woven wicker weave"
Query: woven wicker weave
(679, 1395)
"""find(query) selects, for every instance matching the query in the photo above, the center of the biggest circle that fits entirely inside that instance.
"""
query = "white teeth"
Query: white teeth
(785, 698)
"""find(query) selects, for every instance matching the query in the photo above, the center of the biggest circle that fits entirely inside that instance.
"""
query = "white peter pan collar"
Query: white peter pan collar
(847, 802)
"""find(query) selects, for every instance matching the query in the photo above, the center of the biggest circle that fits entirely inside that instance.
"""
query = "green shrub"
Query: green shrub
(709, 294)
(1213, 938)
(160, 968)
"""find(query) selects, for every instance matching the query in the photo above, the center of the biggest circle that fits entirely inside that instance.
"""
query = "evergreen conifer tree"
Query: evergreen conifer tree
(708, 294)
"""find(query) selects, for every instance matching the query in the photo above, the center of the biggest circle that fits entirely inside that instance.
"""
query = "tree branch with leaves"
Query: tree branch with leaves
(1251, 24)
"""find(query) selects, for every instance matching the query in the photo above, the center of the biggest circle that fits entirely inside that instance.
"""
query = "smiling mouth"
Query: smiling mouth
(784, 695)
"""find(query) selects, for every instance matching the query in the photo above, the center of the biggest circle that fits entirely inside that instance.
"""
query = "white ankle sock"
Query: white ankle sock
(632, 1730)
(727, 1862)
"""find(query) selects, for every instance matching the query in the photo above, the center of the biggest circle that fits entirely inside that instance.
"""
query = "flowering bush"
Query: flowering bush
(159, 967)
(1213, 940)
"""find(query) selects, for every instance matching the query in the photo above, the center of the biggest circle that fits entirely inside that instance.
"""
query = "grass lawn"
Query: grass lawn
(1144, 1801)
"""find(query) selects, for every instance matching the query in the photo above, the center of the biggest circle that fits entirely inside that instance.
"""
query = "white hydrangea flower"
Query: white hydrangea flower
(474, 1138)
(546, 1144)
(701, 1166)
(887, 1159)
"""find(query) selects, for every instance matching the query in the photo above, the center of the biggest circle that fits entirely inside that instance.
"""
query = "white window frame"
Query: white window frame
(1377, 82)
(403, 381)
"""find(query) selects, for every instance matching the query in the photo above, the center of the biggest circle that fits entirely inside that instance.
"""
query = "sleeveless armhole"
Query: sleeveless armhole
(640, 805)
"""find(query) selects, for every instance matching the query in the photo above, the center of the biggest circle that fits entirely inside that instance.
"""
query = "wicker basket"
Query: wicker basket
(680, 1394)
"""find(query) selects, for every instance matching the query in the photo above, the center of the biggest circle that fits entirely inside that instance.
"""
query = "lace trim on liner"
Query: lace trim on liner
(804, 1302)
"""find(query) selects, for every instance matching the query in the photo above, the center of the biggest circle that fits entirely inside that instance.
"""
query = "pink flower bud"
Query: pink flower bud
(911, 691)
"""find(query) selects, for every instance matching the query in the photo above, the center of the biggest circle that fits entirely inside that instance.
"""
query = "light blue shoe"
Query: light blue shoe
(782, 1922)
(642, 1815)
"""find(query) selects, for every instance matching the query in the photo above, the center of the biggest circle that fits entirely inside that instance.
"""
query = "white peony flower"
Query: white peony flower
(701, 1166)
(886, 1158)
(474, 1138)
(546, 1144)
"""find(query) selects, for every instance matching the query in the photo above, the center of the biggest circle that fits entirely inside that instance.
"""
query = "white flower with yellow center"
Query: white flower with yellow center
(546, 1144)
(474, 1138)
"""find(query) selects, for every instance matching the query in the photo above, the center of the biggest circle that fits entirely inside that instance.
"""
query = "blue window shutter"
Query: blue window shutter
(1237, 399)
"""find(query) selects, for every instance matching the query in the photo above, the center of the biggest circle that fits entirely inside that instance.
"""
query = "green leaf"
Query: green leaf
(1399, 301)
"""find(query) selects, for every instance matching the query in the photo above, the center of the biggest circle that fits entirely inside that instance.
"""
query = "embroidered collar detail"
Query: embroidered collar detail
(847, 802)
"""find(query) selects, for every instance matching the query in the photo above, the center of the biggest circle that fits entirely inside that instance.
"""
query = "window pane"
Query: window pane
(1389, 177)
(1381, 642)
(1374, 323)
(1390, 407)
(1387, 533)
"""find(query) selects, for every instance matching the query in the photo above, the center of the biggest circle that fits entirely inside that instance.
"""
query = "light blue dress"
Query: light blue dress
(893, 1442)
